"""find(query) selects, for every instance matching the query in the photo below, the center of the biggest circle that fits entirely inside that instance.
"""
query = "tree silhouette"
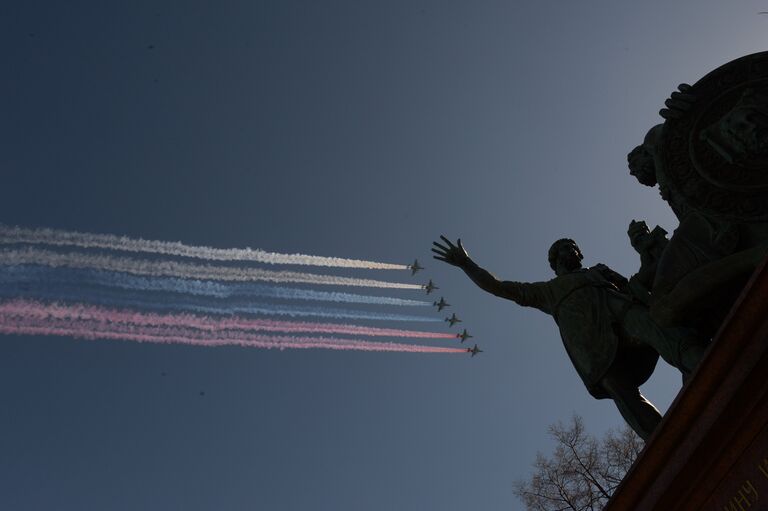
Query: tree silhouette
(582, 472)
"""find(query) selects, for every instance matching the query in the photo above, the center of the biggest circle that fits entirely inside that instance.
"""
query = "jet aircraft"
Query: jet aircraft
(442, 304)
(430, 286)
(464, 335)
(415, 267)
(474, 350)
(452, 319)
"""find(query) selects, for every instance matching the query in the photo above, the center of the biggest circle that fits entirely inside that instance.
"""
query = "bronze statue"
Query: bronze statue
(710, 161)
(650, 245)
(609, 336)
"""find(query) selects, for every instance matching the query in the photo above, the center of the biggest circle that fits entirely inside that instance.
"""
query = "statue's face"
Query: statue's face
(642, 167)
(568, 258)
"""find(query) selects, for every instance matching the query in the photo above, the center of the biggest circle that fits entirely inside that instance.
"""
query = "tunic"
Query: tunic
(586, 307)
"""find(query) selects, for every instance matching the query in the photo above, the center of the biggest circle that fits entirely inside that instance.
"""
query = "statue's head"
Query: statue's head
(565, 256)
(641, 165)
(640, 159)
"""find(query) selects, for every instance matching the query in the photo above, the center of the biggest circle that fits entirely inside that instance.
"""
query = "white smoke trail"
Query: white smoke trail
(183, 270)
(56, 237)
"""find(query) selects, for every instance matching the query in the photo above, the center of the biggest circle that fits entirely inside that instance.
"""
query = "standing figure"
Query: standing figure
(610, 338)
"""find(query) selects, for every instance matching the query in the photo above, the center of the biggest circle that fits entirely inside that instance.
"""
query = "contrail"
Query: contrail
(184, 270)
(13, 326)
(193, 334)
(116, 298)
(56, 237)
(81, 277)
(82, 312)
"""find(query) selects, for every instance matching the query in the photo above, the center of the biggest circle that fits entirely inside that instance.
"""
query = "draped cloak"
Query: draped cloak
(584, 304)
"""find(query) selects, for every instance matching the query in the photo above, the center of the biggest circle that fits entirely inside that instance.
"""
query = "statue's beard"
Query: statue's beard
(645, 173)
(571, 263)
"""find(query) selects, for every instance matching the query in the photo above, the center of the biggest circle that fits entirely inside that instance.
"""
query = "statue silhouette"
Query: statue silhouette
(609, 335)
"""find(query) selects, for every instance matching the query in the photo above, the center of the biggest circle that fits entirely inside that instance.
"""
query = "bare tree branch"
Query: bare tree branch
(582, 473)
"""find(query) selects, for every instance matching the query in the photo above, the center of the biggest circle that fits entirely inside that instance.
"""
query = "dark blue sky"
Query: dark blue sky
(351, 129)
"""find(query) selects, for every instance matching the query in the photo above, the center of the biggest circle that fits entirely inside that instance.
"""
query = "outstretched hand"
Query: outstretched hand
(450, 253)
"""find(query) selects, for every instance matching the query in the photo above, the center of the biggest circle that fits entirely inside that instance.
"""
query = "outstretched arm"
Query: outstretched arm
(531, 295)
(456, 255)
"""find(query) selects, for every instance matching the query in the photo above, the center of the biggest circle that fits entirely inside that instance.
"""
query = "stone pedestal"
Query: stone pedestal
(711, 450)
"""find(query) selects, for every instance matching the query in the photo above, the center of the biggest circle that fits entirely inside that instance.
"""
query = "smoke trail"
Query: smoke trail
(80, 277)
(11, 326)
(81, 312)
(184, 270)
(55, 237)
(117, 298)
(193, 334)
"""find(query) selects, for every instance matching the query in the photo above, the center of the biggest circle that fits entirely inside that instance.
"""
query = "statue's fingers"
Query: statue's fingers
(682, 96)
(441, 252)
(438, 245)
(684, 87)
(447, 241)
(441, 259)
(677, 104)
(459, 243)
(669, 114)
(675, 114)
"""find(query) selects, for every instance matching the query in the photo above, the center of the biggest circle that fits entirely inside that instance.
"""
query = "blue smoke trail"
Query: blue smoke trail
(34, 273)
(116, 298)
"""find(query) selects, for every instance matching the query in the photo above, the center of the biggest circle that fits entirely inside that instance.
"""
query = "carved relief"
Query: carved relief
(713, 158)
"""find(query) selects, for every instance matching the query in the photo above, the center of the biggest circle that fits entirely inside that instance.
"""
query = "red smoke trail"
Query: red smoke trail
(95, 327)
(268, 342)
(33, 309)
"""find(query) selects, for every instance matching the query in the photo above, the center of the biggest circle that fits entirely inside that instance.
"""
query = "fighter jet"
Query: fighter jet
(415, 267)
(442, 304)
(464, 335)
(430, 286)
(453, 319)
(474, 350)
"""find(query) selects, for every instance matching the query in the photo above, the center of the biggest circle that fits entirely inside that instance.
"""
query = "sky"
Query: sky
(350, 129)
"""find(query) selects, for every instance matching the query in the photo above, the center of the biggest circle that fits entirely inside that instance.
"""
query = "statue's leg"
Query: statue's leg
(690, 246)
(694, 292)
(679, 347)
(639, 413)
(684, 253)
(696, 272)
